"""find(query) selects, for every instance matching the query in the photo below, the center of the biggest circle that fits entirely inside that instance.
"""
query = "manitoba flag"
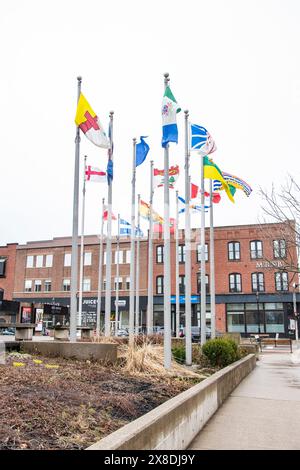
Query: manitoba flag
(89, 123)
(95, 174)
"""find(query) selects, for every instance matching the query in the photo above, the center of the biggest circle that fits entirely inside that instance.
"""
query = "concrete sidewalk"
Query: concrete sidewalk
(263, 412)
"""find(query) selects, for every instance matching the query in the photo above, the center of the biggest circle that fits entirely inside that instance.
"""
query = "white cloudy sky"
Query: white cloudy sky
(233, 63)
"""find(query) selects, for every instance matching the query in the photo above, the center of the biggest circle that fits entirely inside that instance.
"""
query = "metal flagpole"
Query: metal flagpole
(100, 274)
(150, 258)
(81, 248)
(132, 248)
(137, 281)
(212, 265)
(177, 269)
(108, 240)
(117, 276)
(188, 307)
(202, 264)
(74, 256)
(167, 268)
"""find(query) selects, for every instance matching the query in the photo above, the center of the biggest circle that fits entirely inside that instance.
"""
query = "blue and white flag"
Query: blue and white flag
(193, 207)
(201, 140)
(142, 150)
(169, 124)
(125, 227)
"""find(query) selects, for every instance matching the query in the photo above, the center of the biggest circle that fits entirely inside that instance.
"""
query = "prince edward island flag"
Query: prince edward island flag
(169, 125)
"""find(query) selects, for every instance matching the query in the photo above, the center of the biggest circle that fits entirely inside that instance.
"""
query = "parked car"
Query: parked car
(8, 331)
(196, 333)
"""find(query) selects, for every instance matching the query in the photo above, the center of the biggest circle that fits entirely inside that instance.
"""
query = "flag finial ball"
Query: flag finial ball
(166, 75)
(79, 78)
(186, 111)
(111, 113)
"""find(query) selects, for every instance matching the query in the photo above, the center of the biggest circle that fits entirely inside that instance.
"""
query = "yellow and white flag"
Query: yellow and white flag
(89, 123)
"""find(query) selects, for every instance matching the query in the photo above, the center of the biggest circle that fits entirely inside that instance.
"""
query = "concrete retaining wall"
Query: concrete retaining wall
(95, 351)
(174, 424)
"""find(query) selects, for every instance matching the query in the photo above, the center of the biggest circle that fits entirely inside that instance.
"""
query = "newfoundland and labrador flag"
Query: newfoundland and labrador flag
(201, 140)
(89, 123)
(169, 125)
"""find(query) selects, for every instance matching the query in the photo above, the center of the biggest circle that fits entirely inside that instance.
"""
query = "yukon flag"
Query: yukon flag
(89, 123)
(95, 174)
(169, 125)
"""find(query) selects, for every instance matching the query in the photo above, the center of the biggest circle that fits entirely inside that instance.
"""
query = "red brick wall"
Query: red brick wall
(7, 282)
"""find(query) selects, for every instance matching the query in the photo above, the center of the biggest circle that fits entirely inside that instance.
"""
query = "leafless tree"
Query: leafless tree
(282, 207)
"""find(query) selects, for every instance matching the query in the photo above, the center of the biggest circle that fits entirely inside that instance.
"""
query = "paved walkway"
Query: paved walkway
(263, 412)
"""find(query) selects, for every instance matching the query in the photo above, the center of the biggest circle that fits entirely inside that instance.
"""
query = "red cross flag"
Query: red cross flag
(89, 123)
(95, 174)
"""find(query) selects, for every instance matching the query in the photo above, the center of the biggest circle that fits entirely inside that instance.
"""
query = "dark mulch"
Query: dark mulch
(72, 406)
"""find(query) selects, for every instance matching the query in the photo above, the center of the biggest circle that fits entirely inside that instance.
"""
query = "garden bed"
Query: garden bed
(48, 403)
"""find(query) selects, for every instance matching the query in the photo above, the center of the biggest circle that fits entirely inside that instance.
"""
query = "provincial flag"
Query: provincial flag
(144, 211)
(125, 227)
(213, 172)
(105, 215)
(193, 206)
(169, 124)
(201, 140)
(234, 181)
(89, 123)
(141, 151)
(94, 174)
(159, 176)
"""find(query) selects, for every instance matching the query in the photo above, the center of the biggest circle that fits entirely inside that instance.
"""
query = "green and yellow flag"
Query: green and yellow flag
(213, 172)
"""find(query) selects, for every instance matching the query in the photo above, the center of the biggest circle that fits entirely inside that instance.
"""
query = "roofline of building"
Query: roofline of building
(92, 239)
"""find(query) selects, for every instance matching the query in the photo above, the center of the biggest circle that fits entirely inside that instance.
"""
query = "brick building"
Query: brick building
(253, 292)
(7, 270)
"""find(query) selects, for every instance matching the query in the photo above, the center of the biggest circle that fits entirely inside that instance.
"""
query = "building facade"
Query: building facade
(7, 270)
(253, 291)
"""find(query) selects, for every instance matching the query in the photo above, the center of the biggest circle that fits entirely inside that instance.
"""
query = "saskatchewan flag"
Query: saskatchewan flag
(213, 172)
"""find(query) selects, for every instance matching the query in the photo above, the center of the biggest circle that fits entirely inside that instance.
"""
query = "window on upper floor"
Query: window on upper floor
(281, 281)
(234, 251)
(67, 259)
(160, 284)
(181, 284)
(128, 256)
(39, 261)
(181, 253)
(49, 261)
(47, 285)
(37, 285)
(256, 250)
(29, 261)
(127, 283)
(199, 283)
(199, 253)
(118, 283)
(235, 282)
(279, 248)
(2, 267)
(258, 282)
(119, 255)
(28, 285)
(87, 258)
(160, 254)
(86, 284)
(66, 285)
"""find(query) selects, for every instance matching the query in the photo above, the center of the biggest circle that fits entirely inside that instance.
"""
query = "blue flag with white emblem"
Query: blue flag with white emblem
(142, 150)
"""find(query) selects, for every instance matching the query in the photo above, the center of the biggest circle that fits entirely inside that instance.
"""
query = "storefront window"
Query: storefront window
(236, 322)
(274, 322)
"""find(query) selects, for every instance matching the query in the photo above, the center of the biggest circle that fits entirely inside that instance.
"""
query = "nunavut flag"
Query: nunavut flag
(89, 123)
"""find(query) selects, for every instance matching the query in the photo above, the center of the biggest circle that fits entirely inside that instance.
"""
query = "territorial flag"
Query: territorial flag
(201, 140)
(213, 172)
(169, 125)
(87, 120)
(94, 174)
(141, 151)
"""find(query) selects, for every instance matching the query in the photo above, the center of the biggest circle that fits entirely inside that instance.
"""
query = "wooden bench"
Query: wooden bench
(276, 342)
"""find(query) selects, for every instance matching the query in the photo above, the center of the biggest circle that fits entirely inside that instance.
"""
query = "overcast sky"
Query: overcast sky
(233, 63)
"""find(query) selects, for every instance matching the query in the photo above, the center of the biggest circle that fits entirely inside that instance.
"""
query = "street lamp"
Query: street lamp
(295, 309)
